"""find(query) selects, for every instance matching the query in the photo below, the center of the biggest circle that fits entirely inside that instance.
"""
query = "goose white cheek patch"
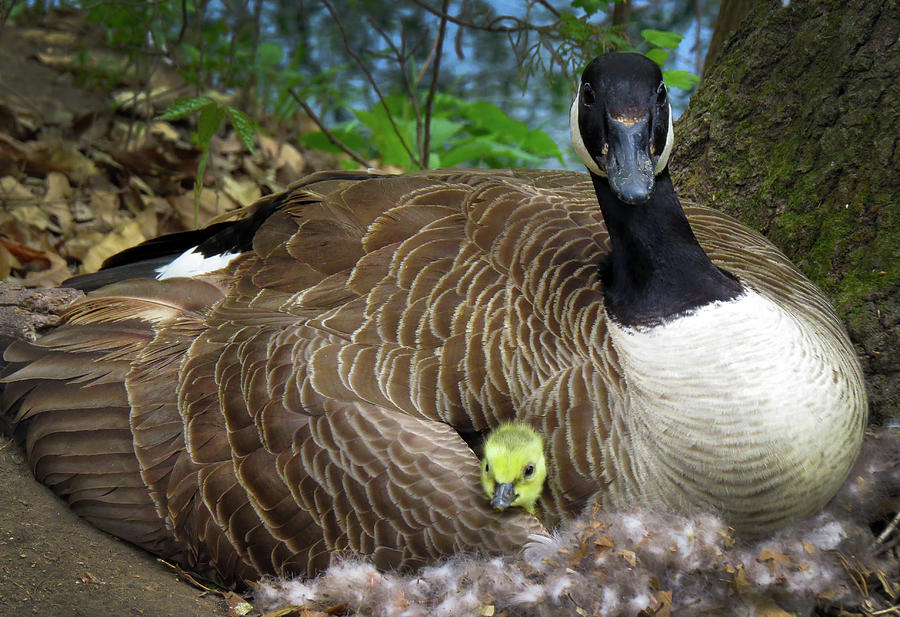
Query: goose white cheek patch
(578, 142)
(667, 150)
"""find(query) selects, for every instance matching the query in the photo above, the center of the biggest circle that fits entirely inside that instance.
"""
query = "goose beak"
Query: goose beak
(504, 495)
(628, 163)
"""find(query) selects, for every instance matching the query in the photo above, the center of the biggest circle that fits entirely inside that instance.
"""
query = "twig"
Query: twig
(892, 526)
(402, 57)
(429, 100)
(372, 81)
(183, 27)
(490, 26)
(549, 7)
(331, 136)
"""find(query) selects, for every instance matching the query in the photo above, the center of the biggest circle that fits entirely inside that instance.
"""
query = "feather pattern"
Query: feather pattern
(309, 398)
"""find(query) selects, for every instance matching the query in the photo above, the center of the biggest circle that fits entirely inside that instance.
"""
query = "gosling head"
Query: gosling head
(514, 469)
(621, 123)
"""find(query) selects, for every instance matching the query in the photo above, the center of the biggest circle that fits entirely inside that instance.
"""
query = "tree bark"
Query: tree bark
(794, 130)
(731, 14)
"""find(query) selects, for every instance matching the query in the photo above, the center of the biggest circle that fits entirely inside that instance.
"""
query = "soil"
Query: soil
(54, 564)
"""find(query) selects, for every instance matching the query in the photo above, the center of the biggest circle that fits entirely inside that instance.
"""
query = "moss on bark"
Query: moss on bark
(796, 131)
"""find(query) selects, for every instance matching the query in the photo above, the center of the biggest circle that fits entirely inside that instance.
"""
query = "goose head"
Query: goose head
(621, 123)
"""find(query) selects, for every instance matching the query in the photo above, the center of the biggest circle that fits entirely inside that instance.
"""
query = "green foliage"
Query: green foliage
(669, 40)
(209, 121)
(674, 78)
(680, 79)
(279, 57)
(591, 6)
(462, 132)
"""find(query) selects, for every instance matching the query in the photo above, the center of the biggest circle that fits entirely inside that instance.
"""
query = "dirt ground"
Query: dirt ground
(54, 564)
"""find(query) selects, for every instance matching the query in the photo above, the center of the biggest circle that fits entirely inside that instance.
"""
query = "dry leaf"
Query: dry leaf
(773, 559)
(58, 188)
(237, 605)
(664, 603)
(78, 246)
(244, 192)
(125, 236)
(32, 215)
(52, 276)
(55, 202)
(6, 262)
(290, 164)
(166, 132)
(212, 203)
(629, 556)
(13, 190)
(761, 605)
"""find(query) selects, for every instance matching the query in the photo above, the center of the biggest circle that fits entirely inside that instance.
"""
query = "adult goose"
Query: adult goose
(306, 380)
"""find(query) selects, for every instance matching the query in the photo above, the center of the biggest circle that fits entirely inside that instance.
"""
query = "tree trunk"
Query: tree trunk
(795, 131)
(731, 14)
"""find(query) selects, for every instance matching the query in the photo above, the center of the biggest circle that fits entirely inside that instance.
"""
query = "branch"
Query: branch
(372, 81)
(331, 136)
(489, 27)
(549, 7)
(429, 100)
(402, 56)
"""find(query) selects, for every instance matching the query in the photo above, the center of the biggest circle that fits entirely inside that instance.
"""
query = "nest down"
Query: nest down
(844, 561)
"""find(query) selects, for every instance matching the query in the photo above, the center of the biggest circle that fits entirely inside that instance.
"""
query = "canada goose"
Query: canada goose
(513, 468)
(305, 393)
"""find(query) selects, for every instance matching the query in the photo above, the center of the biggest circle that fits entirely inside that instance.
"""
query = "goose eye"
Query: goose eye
(529, 470)
(587, 95)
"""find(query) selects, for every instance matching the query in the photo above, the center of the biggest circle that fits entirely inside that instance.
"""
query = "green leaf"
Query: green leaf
(386, 139)
(680, 79)
(187, 106)
(469, 152)
(539, 143)
(243, 126)
(591, 6)
(210, 119)
(442, 130)
(574, 28)
(661, 38)
(318, 141)
(269, 55)
(658, 55)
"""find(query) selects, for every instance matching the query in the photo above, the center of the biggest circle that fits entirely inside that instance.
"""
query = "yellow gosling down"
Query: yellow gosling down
(514, 468)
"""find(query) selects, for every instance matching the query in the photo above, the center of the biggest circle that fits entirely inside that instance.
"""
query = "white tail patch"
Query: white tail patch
(191, 263)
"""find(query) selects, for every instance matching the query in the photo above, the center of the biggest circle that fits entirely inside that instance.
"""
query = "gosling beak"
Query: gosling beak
(504, 495)
(628, 165)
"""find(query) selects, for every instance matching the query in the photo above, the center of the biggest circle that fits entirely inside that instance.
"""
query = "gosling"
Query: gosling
(514, 468)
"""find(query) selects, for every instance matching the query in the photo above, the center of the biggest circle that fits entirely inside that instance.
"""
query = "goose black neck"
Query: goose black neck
(656, 269)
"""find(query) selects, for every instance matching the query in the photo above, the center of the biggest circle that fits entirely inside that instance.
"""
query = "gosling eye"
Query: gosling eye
(529, 470)
(487, 467)
(587, 95)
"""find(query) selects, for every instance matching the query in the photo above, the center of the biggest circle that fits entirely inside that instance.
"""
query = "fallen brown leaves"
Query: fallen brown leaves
(85, 175)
